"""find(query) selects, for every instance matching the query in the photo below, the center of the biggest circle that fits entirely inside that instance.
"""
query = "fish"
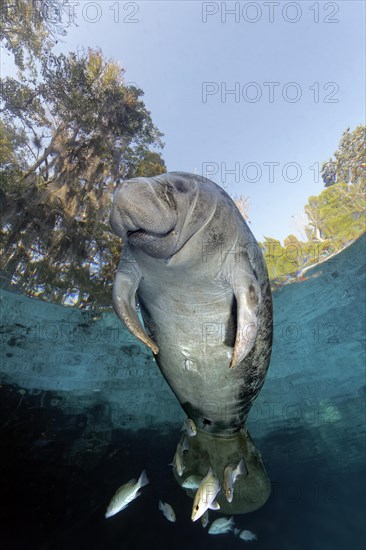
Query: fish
(178, 463)
(189, 427)
(178, 457)
(204, 519)
(221, 526)
(167, 510)
(247, 535)
(206, 494)
(192, 482)
(230, 475)
(126, 494)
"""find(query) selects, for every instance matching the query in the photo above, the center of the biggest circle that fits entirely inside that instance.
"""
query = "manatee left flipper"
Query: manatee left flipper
(248, 297)
(124, 298)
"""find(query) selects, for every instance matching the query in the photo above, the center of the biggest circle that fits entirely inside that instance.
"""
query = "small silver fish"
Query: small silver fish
(221, 525)
(192, 482)
(178, 463)
(189, 427)
(167, 510)
(247, 535)
(204, 519)
(230, 475)
(205, 496)
(126, 494)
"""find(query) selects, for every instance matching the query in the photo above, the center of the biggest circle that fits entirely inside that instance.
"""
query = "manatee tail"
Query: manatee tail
(252, 486)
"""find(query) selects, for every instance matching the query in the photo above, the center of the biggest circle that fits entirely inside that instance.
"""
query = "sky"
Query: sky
(253, 95)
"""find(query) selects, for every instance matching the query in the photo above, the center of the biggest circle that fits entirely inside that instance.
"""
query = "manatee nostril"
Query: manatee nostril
(207, 422)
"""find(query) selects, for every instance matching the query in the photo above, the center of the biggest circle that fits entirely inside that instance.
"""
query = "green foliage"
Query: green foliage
(12, 159)
(276, 260)
(338, 212)
(285, 263)
(29, 28)
(82, 130)
(336, 216)
(71, 134)
(146, 164)
(349, 162)
(291, 240)
(12, 141)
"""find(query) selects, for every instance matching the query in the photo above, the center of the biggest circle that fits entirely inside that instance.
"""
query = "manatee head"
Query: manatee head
(159, 214)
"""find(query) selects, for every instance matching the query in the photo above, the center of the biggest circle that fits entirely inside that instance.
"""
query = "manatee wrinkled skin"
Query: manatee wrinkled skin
(202, 285)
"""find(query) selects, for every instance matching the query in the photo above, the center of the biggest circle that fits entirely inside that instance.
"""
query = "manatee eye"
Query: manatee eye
(181, 187)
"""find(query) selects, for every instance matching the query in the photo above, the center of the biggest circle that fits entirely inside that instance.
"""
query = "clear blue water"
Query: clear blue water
(84, 409)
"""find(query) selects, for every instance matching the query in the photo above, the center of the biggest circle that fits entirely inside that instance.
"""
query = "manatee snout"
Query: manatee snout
(138, 208)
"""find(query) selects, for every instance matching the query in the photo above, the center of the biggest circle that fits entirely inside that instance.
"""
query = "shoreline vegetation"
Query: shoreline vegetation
(72, 129)
(298, 276)
(294, 276)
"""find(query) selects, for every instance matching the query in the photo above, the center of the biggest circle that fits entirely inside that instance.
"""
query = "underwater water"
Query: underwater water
(84, 409)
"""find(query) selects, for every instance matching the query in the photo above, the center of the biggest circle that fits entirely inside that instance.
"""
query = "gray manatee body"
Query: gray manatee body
(203, 289)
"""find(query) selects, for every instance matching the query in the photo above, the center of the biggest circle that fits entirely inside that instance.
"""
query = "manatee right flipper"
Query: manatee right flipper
(124, 298)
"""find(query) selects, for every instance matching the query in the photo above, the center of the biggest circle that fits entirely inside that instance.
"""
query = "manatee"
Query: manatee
(194, 267)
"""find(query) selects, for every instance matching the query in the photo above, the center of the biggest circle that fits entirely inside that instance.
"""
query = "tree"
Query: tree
(349, 162)
(276, 258)
(337, 213)
(85, 131)
(290, 240)
(145, 163)
(316, 226)
(30, 28)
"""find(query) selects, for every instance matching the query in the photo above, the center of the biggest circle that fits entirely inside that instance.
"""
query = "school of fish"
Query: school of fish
(207, 489)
